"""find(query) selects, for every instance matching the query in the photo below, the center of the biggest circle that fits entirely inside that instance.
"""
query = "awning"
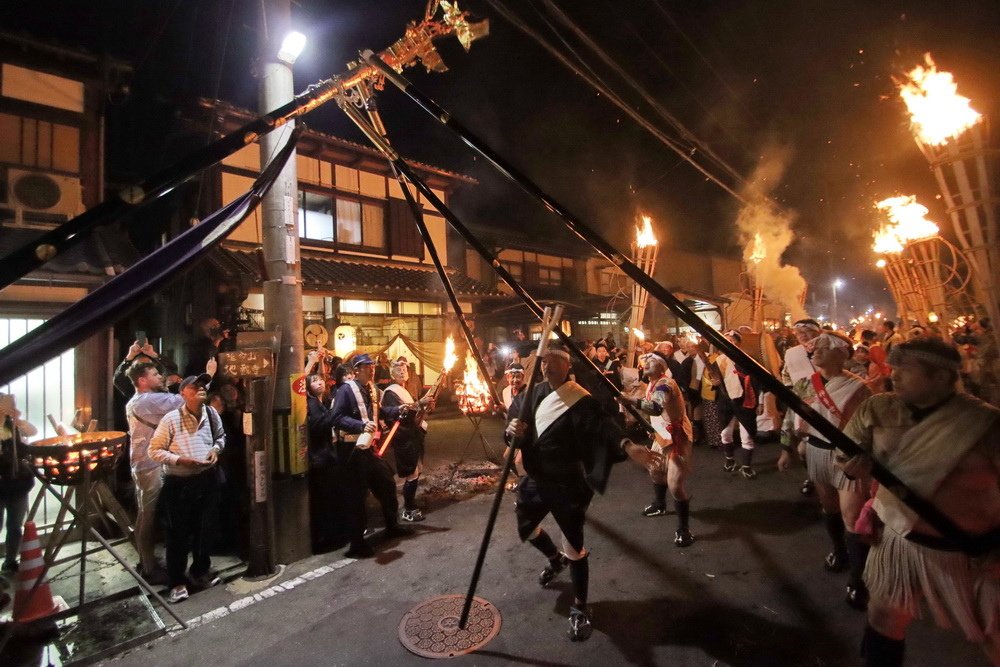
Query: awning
(357, 277)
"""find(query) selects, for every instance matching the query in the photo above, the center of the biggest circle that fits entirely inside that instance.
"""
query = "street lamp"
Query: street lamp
(291, 47)
(835, 285)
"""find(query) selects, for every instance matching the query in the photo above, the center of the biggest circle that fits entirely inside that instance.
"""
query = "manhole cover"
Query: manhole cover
(431, 628)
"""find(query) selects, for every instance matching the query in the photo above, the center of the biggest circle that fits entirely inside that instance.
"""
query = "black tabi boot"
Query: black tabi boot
(683, 536)
(836, 560)
(557, 561)
(746, 469)
(659, 504)
(857, 552)
(579, 616)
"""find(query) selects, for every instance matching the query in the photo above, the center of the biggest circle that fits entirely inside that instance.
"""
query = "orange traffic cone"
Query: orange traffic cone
(31, 606)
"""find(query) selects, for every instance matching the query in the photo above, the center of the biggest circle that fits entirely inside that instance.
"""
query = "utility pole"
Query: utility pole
(282, 284)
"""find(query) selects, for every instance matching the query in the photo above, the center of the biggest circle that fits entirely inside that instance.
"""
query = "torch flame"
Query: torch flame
(449, 354)
(473, 394)
(908, 218)
(887, 241)
(644, 235)
(638, 334)
(937, 112)
(757, 252)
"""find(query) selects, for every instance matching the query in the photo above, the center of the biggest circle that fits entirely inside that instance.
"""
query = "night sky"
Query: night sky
(813, 77)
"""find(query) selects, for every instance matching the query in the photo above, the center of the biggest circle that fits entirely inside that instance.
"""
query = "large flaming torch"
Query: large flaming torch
(924, 271)
(644, 253)
(953, 138)
(757, 254)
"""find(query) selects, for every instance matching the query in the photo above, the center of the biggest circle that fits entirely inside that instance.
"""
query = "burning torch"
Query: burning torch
(644, 253)
(953, 138)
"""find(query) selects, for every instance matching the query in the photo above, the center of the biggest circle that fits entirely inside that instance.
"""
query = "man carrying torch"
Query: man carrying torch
(403, 415)
(567, 452)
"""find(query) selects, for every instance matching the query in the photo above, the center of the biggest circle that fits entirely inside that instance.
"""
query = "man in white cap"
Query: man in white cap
(835, 394)
(568, 452)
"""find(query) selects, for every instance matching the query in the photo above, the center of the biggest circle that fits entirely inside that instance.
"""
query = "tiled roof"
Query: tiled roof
(322, 271)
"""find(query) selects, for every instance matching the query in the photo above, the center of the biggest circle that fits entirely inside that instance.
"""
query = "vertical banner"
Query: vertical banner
(298, 445)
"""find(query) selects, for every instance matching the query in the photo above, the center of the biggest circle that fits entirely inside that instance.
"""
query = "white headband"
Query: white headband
(834, 341)
(557, 352)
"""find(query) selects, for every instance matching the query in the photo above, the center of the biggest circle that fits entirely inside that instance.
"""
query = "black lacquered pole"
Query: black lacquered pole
(926, 510)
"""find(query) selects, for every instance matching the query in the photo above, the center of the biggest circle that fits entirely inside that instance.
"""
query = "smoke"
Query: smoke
(762, 218)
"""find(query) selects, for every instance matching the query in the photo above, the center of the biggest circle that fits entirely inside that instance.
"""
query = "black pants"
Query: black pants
(567, 502)
(186, 503)
(366, 472)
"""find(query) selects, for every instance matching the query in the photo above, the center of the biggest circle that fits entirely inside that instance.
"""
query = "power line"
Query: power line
(687, 155)
(674, 122)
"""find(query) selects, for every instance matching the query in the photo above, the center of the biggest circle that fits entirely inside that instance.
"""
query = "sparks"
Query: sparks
(937, 112)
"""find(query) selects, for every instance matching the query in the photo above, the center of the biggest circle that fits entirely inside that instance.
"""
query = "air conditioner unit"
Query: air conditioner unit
(40, 199)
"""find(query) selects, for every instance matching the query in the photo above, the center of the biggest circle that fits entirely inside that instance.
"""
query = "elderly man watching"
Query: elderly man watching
(187, 442)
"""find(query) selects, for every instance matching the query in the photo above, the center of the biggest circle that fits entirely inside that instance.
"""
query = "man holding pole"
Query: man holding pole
(568, 452)
(399, 406)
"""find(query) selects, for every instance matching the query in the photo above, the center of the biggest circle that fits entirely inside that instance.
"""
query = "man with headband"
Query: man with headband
(568, 452)
(944, 445)
(795, 374)
(515, 383)
(835, 394)
(671, 438)
(398, 405)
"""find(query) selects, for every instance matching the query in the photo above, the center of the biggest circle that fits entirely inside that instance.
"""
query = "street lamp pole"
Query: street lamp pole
(282, 284)
(834, 315)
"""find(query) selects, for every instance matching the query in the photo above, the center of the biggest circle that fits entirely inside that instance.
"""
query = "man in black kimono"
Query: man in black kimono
(568, 450)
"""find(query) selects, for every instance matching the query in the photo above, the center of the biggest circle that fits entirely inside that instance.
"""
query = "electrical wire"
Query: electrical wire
(687, 155)
(672, 120)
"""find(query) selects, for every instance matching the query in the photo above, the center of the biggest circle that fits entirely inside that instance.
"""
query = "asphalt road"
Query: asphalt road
(750, 591)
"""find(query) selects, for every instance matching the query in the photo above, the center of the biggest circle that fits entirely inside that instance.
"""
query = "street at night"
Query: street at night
(545, 333)
(751, 591)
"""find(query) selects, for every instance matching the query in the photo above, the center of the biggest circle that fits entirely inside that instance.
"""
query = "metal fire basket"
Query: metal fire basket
(67, 459)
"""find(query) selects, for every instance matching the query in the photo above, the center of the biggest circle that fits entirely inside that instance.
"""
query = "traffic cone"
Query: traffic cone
(31, 606)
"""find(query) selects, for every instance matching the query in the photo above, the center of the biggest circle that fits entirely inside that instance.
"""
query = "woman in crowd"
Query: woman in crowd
(322, 460)
(16, 479)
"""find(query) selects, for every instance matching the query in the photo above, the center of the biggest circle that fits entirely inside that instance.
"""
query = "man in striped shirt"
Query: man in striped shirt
(187, 443)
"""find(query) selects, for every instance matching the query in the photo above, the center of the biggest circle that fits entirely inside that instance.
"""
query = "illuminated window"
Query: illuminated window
(419, 308)
(37, 143)
(365, 306)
